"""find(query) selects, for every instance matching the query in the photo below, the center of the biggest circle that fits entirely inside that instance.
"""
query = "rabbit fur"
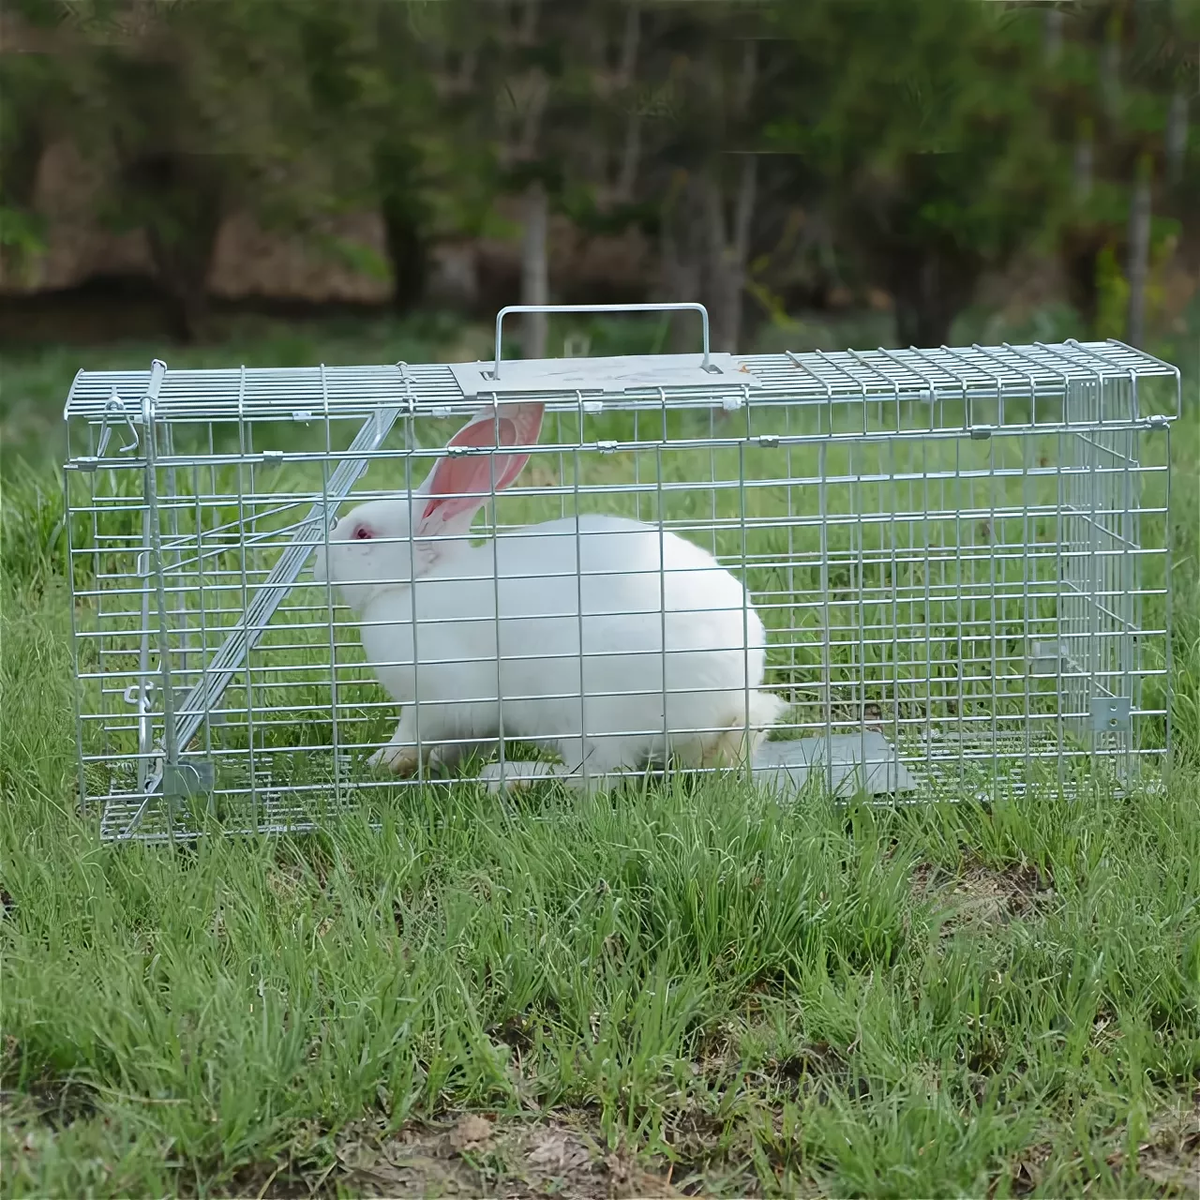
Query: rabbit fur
(616, 585)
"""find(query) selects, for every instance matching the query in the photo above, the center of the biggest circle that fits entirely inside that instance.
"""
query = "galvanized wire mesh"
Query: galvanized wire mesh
(959, 555)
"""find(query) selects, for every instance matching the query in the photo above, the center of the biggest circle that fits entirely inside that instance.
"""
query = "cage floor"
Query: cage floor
(844, 765)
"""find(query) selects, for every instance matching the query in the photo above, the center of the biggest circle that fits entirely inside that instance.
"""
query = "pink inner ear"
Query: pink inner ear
(474, 474)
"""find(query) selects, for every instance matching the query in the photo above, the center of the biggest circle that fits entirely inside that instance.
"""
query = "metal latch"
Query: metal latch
(114, 408)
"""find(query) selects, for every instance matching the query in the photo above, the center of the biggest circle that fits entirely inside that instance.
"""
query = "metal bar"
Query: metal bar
(171, 739)
(583, 755)
(245, 442)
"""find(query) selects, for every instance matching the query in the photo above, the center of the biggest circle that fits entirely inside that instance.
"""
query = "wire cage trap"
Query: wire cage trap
(917, 573)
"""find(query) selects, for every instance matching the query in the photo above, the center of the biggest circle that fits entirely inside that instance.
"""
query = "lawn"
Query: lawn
(648, 993)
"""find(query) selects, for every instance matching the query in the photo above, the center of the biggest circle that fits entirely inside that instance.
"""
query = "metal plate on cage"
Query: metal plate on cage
(622, 373)
(860, 762)
(186, 779)
(1051, 658)
(1111, 714)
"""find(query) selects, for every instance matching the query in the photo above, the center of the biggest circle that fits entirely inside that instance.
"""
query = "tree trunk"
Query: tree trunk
(1139, 256)
(21, 165)
(18, 182)
(1176, 135)
(728, 238)
(1084, 165)
(406, 256)
(1110, 70)
(183, 274)
(682, 277)
(1053, 36)
(183, 261)
(919, 324)
(404, 222)
(929, 293)
(1079, 251)
(535, 274)
(183, 199)
(727, 255)
(630, 154)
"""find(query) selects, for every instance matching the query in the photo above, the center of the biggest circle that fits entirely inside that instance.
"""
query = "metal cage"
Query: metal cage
(960, 556)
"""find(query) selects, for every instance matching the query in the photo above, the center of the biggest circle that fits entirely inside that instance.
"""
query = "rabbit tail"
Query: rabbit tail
(726, 748)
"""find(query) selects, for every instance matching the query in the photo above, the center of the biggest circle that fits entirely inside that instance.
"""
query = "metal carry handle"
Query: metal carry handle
(681, 306)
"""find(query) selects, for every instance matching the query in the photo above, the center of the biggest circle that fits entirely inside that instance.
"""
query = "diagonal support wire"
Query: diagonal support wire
(244, 636)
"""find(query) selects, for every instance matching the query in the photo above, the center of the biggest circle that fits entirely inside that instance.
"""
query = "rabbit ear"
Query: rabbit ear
(447, 510)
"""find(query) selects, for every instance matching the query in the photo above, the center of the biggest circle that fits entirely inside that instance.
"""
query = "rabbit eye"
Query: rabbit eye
(361, 532)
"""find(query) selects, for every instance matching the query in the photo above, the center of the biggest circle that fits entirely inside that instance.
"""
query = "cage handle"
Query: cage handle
(674, 306)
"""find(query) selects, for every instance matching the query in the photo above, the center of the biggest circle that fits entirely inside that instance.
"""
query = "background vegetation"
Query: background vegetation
(645, 994)
(766, 159)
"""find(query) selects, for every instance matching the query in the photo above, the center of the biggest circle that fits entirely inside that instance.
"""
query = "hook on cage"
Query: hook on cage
(138, 695)
(116, 406)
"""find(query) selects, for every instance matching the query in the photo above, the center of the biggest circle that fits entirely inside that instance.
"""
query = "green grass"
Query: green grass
(700, 984)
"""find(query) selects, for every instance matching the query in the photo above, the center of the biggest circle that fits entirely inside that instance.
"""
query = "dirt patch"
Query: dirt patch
(56, 1103)
(478, 1156)
(980, 894)
(1170, 1155)
(1168, 1158)
(1029, 1171)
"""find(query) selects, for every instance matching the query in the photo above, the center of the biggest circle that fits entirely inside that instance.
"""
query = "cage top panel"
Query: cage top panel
(629, 382)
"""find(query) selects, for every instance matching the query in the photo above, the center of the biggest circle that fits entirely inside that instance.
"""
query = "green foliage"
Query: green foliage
(22, 231)
(929, 134)
(932, 141)
(1113, 290)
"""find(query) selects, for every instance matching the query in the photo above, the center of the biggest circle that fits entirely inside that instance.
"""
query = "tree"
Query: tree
(371, 88)
(707, 69)
(935, 153)
(40, 71)
(526, 52)
(193, 98)
(1124, 78)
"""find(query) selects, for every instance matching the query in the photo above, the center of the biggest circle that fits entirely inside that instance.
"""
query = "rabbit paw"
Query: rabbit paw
(400, 760)
(516, 774)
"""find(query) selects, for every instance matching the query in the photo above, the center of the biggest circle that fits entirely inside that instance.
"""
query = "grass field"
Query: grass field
(640, 994)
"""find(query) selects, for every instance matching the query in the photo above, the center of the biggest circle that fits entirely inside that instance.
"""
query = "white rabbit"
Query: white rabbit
(601, 579)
